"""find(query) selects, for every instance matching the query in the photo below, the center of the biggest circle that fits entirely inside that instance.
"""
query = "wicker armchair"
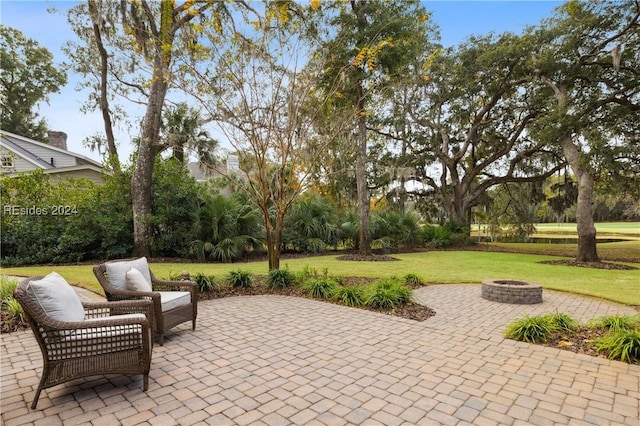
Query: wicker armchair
(174, 302)
(113, 338)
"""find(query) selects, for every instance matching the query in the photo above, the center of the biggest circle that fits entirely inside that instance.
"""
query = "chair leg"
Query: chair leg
(193, 324)
(145, 382)
(35, 398)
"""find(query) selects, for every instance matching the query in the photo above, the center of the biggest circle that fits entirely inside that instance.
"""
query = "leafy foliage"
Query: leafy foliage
(239, 278)
(175, 205)
(622, 344)
(321, 288)
(225, 229)
(352, 295)
(280, 278)
(530, 329)
(29, 76)
(412, 279)
(616, 323)
(7, 287)
(561, 322)
(311, 225)
(7, 301)
(387, 293)
(205, 282)
(395, 229)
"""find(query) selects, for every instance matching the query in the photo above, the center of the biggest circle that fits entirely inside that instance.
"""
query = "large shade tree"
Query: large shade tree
(28, 77)
(588, 59)
(469, 120)
(371, 44)
(139, 49)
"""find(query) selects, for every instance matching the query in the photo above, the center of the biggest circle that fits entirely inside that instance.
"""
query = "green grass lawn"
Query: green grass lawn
(626, 230)
(440, 267)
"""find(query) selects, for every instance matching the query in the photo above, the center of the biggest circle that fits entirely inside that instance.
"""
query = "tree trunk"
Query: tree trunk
(274, 242)
(141, 200)
(142, 176)
(587, 251)
(113, 158)
(364, 243)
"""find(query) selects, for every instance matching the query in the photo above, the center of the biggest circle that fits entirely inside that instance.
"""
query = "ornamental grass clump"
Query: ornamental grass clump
(352, 295)
(320, 288)
(621, 339)
(413, 280)
(7, 287)
(622, 344)
(280, 278)
(562, 323)
(387, 293)
(205, 283)
(7, 301)
(240, 279)
(530, 329)
(615, 322)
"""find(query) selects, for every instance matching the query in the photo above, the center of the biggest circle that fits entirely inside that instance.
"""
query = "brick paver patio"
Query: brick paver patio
(280, 360)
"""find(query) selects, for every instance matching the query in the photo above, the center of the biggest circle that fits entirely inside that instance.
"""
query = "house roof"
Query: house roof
(17, 144)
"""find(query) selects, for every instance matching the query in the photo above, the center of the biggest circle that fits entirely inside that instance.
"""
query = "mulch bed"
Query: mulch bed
(367, 258)
(410, 310)
(9, 324)
(596, 265)
(579, 341)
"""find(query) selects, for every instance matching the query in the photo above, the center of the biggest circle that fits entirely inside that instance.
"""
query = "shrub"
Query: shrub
(7, 287)
(437, 236)
(280, 278)
(349, 295)
(307, 272)
(562, 322)
(622, 344)
(615, 322)
(321, 288)
(14, 308)
(205, 282)
(530, 329)
(387, 293)
(413, 280)
(239, 278)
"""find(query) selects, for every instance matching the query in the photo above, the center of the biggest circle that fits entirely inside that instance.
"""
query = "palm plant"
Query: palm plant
(226, 229)
(395, 229)
(310, 225)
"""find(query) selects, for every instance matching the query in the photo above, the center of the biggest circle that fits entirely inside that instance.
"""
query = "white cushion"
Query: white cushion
(57, 298)
(136, 281)
(174, 299)
(90, 341)
(117, 271)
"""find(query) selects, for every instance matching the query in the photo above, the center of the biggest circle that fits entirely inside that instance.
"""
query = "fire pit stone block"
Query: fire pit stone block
(512, 291)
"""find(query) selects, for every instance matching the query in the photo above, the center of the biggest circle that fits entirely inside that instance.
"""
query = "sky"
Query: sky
(456, 19)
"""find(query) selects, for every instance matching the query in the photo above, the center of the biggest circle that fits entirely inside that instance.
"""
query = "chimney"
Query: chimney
(58, 139)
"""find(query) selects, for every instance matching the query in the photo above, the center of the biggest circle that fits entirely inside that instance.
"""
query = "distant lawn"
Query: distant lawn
(440, 267)
(626, 230)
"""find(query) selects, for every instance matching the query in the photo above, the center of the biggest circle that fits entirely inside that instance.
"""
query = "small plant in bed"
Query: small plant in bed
(319, 288)
(351, 295)
(387, 293)
(240, 279)
(280, 278)
(614, 336)
(530, 329)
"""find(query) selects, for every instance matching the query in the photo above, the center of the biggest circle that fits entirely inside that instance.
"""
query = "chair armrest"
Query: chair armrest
(122, 307)
(164, 285)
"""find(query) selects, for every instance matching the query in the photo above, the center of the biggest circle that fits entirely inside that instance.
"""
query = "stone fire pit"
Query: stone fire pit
(512, 291)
